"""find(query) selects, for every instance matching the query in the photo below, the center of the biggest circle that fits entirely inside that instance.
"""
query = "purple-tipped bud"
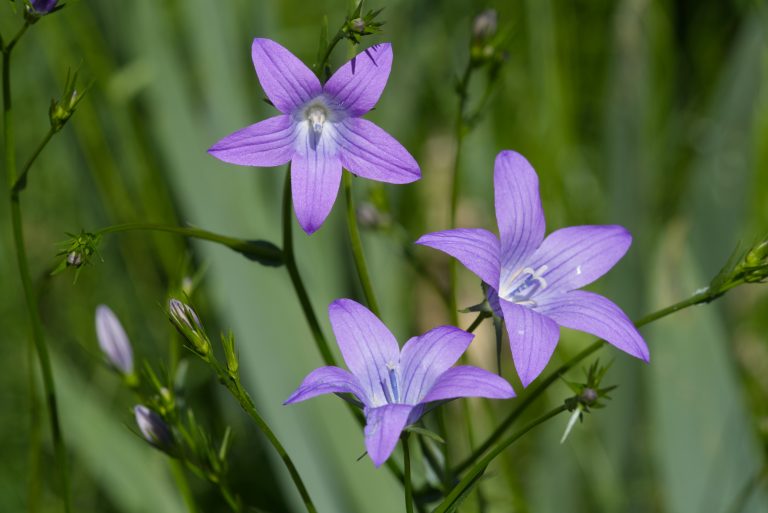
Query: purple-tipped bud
(43, 6)
(113, 341)
(154, 429)
(188, 323)
(74, 259)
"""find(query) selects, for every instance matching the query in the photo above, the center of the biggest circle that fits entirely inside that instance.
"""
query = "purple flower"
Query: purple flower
(113, 341)
(533, 280)
(43, 6)
(396, 386)
(320, 129)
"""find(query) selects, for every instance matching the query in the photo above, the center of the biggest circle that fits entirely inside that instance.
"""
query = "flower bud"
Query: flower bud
(228, 343)
(188, 324)
(113, 341)
(357, 25)
(61, 110)
(154, 429)
(74, 259)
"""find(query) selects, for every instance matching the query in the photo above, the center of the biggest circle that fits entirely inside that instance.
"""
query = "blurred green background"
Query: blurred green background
(651, 114)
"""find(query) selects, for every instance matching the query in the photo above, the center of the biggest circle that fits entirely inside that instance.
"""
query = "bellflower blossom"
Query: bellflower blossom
(320, 129)
(394, 386)
(532, 279)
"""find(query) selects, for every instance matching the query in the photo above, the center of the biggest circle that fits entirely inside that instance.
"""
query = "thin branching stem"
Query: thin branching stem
(250, 249)
(38, 335)
(477, 470)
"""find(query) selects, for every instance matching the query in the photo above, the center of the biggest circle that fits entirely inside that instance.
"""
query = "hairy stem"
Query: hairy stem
(538, 390)
(357, 248)
(38, 336)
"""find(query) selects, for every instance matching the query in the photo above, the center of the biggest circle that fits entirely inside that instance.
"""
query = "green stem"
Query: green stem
(183, 485)
(306, 304)
(478, 321)
(702, 297)
(477, 470)
(238, 392)
(298, 284)
(408, 483)
(456, 183)
(251, 249)
(357, 248)
(321, 66)
(38, 335)
(21, 181)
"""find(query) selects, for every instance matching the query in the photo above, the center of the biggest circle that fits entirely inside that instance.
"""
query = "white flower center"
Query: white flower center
(522, 285)
(316, 115)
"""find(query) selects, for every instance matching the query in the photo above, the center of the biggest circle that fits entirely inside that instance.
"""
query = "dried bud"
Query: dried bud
(154, 429)
(188, 323)
(484, 26)
(113, 340)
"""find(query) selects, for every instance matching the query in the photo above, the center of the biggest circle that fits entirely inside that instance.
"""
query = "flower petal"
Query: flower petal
(578, 255)
(382, 430)
(357, 85)
(367, 346)
(467, 381)
(424, 358)
(372, 153)
(327, 380)
(532, 338)
(476, 248)
(315, 178)
(518, 208)
(287, 82)
(265, 144)
(598, 315)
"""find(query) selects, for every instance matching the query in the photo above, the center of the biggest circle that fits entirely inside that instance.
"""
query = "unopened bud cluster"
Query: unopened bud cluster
(358, 24)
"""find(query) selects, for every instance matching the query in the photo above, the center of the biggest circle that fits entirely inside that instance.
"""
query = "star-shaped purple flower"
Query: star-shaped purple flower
(394, 386)
(320, 129)
(533, 280)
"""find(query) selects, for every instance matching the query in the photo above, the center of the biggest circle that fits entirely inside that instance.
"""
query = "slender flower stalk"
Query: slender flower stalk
(357, 248)
(260, 251)
(471, 477)
(38, 336)
(298, 283)
(407, 467)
